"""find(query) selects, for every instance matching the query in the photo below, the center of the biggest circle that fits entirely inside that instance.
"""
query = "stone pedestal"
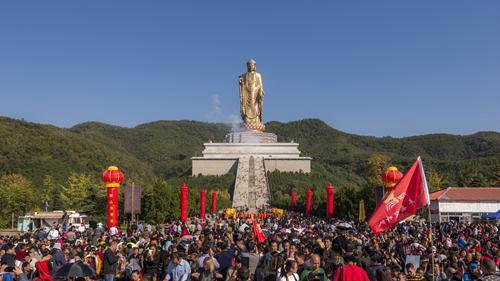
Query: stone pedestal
(251, 137)
(250, 154)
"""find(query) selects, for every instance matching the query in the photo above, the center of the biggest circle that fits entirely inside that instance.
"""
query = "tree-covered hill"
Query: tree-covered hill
(163, 149)
(472, 160)
(63, 165)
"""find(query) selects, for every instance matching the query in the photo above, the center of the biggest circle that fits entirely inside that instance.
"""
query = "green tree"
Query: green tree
(436, 181)
(162, 203)
(51, 194)
(77, 188)
(16, 197)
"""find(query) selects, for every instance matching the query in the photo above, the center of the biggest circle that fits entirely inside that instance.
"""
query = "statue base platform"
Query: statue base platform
(255, 127)
(250, 155)
(251, 137)
(222, 158)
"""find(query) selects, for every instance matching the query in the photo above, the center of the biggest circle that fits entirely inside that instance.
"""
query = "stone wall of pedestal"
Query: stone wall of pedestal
(251, 137)
(295, 165)
(213, 166)
(250, 155)
(235, 150)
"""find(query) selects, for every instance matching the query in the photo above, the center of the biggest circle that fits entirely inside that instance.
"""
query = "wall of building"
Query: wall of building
(470, 207)
(462, 211)
(214, 167)
(288, 165)
(217, 167)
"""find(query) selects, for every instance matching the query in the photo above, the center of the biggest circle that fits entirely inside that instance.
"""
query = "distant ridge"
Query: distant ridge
(163, 149)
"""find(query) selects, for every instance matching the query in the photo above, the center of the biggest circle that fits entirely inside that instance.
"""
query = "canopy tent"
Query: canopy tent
(492, 216)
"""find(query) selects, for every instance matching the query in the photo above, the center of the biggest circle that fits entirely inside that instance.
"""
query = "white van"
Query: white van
(33, 221)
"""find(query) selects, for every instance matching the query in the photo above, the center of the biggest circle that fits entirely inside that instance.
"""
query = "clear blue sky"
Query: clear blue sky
(368, 67)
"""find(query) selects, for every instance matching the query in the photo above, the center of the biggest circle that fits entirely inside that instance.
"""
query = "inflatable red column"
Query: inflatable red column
(112, 177)
(293, 201)
(329, 201)
(308, 202)
(203, 194)
(184, 202)
(214, 202)
(333, 200)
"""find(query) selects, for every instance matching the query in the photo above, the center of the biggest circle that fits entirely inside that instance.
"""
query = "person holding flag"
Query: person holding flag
(410, 194)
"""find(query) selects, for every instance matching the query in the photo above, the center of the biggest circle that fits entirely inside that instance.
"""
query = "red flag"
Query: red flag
(257, 232)
(308, 202)
(403, 201)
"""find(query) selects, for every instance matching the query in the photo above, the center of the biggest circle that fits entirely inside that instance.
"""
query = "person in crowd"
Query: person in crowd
(224, 249)
(350, 271)
(53, 233)
(290, 271)
(178, 269)
(315, 272)
(110, 261)
(412, 274)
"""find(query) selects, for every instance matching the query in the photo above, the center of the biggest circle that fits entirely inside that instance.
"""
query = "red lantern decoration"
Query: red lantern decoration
(293, 201)
(308, 202)
(184, 202)
(112, 177)
(214, 202)
(329, 201)
(202, 203)
(391, 177)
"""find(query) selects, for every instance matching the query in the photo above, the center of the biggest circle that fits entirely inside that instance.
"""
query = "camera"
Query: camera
(314, 276)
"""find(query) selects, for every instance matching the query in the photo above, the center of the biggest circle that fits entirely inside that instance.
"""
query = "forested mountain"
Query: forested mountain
(161, 151)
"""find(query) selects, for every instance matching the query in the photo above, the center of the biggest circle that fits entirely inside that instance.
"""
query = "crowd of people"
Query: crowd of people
(296, 248)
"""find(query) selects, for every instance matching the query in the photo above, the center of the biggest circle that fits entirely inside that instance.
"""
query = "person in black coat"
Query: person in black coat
(110, 261)
(9, 258)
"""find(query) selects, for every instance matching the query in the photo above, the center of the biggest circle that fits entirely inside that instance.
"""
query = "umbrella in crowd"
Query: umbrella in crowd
(73, 270)
(344, 226)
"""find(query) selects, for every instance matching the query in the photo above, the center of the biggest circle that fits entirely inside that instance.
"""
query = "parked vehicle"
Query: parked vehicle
(35, 220)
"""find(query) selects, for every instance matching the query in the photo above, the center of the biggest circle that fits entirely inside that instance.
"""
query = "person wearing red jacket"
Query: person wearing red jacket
(350, 271)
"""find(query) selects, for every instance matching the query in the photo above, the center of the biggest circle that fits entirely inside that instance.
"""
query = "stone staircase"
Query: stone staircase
(251, 191)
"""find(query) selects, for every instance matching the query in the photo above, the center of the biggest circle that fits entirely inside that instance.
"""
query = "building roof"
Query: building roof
(467, 194)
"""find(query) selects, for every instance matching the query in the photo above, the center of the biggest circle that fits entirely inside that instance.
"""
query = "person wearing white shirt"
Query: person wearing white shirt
(290, 273)
(53, 234)
(113, 231)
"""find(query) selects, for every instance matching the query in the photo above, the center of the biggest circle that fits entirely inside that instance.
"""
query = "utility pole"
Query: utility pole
(132, 202)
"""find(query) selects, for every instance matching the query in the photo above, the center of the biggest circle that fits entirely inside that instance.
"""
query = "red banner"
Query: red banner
(203, 194)
(329, 201)
(404, 200)
(184, 202)
(308, 202)
(214, 202)
(112, 206)
(293, 201)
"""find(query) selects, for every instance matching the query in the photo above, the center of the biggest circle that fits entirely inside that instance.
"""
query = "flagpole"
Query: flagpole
(431, 238)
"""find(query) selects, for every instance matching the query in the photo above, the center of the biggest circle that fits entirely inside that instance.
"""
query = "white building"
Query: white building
(464, 204)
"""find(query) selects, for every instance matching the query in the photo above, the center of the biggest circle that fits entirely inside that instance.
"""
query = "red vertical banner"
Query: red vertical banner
(293, 201)
(308, 202)
(112, 194)
(329, 201)
(203, 194)
(184, 202)
(214, 202)
(333, 200)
